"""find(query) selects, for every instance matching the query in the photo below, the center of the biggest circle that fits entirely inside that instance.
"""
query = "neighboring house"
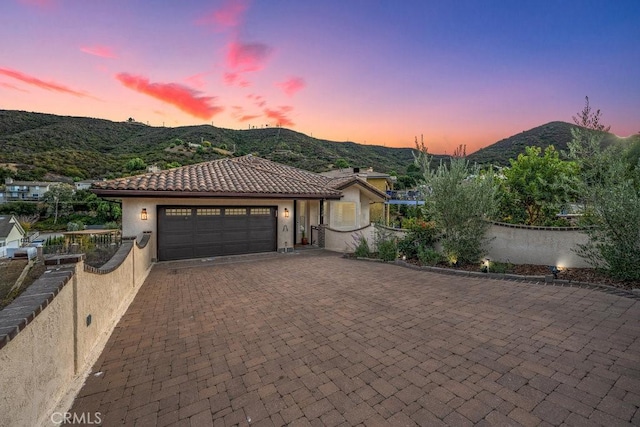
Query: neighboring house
(25, 191)
(382, 181)
(237, 205)
(83, 185)
(11, 234)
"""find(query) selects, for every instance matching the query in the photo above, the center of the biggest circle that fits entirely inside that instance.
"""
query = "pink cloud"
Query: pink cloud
(196, 80)
(280, 115)
(258, 100)
(235, 79)
(10, 86)
(186, 99)
(56, 87)
(99, 50)
(292, 85)
(244, 57)
(228, 16)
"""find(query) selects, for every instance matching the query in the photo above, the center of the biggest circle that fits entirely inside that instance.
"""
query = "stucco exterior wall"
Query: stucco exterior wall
(345, 240)
(46, 363)
(132, 225)
(37, 365)
(535, 245)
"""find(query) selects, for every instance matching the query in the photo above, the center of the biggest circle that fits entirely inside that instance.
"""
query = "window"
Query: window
(260, 211)
(207, 211)
(177, 212)
(344, 214)
(235, 211)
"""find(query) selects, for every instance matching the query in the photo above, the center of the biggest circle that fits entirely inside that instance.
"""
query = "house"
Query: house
(25, 191)
(11, 234)
(83, 185)
(382, 181)
(237, 205)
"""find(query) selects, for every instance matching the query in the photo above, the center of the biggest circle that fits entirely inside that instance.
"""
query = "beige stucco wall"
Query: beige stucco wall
(41, 365)
(535, 246)
(37, 365)
(132, 225)
(344, 240)
(350, 194)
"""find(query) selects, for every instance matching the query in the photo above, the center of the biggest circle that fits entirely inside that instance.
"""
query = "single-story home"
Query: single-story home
(11, 234)
(237, 205)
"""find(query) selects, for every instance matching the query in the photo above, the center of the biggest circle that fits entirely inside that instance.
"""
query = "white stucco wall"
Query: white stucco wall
(344, 240)
(543, 246)
(132, 225)
(44, 366)
(37, 365)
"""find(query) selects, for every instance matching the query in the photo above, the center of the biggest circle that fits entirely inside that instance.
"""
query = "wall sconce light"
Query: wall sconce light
(286, 213)
(143, 214)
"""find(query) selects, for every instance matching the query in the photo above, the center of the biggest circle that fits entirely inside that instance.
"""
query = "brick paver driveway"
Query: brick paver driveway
(317, 339)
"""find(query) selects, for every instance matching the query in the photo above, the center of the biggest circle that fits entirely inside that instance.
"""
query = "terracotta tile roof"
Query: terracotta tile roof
(246, 176)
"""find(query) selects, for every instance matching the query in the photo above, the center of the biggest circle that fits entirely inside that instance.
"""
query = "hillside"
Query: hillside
(557, 134)
(83, 147)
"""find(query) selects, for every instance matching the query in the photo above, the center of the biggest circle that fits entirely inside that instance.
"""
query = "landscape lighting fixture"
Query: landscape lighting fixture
(143, 214)
(554, 270)
(286, 213)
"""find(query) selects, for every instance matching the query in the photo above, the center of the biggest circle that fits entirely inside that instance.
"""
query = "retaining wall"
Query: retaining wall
(51, 335)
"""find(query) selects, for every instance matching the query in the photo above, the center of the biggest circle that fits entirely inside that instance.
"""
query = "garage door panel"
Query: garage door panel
(194, 232)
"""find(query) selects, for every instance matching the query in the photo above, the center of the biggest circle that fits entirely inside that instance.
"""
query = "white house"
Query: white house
(237, 205)
(11, 234)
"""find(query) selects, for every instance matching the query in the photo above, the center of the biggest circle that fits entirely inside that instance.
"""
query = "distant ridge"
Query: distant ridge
(82, 147)
(557, 134)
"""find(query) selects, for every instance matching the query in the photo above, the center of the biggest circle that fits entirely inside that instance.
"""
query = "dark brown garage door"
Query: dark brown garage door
(204, 231)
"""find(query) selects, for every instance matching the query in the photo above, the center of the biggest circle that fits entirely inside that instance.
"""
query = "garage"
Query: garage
(186, 232)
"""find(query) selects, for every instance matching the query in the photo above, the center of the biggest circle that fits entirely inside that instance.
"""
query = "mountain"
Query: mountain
(47, 146)
(82, 147)
(557, 134)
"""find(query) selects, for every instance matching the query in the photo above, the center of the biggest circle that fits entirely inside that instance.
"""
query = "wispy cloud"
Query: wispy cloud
(279, 115)
(99, 50)
(238, 113)
(235, 79)
(186, 99)
(245, 57)
(34, 81)
(292, 85)
(229, 16)
(12, 87)
(196, 80)
(258, 100)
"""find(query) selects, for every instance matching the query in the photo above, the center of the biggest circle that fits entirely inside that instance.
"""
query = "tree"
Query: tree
(341, 164)
(135, 164)
(58, 200)
(460, 203)
(614, 219)
(540, 185)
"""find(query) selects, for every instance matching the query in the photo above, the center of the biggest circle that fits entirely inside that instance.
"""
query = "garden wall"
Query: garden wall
(344, 241)
(521, 244)
(52, 334)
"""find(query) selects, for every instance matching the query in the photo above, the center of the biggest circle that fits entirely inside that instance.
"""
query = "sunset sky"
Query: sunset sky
(369, 71)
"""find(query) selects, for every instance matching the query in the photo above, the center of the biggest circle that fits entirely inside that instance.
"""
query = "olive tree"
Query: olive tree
(461, 200)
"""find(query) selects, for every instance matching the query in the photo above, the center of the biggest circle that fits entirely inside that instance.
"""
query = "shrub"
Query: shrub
(362, 249)
(429, 256)
(75, 226)
(421, 234)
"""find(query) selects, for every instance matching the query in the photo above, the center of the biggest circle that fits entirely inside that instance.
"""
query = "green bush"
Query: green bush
(362, 249)
(429, 256)
(387, 250)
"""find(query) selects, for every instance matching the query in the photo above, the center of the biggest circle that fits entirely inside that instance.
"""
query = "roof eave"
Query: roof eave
(211, 195)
